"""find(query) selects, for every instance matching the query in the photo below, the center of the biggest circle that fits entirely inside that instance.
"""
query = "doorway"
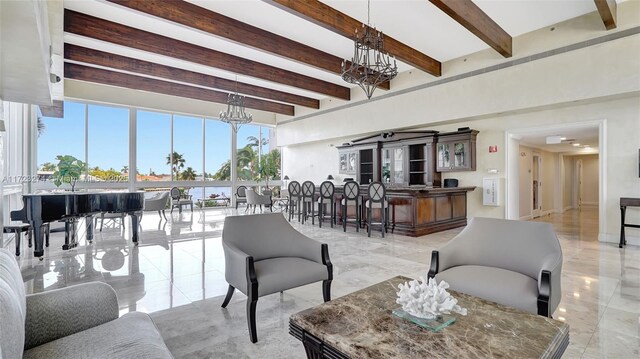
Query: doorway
(536, 185)
(577, 185)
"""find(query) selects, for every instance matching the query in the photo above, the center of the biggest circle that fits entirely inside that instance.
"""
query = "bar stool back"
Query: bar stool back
(327, 191)
(377, 199)
(308, 194)
(295, 196)
(351, 193)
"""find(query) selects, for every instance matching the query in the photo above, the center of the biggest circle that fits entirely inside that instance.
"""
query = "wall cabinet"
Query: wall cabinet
(456, 151)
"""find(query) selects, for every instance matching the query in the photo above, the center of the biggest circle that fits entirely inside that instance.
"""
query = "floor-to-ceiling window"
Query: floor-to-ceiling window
(61, 137)
(193, 153)
(108, 143)
(153, 146)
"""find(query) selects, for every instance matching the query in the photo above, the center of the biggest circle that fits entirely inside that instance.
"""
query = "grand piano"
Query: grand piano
(70, 206)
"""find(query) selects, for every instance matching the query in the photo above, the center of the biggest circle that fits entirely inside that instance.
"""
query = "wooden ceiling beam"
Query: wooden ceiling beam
(608, 10)
(56, 109)
(118, 62)
(469, 15)
(342, 24)
(216, 24)
(119, 79)
(100, 29)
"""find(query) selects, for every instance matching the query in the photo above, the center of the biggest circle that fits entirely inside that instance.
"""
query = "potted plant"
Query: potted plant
(69, 170)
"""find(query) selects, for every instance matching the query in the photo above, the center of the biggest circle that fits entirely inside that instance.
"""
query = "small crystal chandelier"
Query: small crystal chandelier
(370, 65)
(235, 114)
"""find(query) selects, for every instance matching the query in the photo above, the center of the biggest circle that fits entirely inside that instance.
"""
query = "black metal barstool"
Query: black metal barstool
(327, 191)
(351, 193)
(377, 199)
(308, 195)
(295, 197)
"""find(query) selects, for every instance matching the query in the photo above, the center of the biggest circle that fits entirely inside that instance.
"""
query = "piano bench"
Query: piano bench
(18, 228)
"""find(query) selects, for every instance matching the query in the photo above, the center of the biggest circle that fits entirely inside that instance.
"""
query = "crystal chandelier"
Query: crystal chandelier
(370, 65)
(235, 114)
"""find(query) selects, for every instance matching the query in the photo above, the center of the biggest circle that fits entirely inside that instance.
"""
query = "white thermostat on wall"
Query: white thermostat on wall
(491, 191)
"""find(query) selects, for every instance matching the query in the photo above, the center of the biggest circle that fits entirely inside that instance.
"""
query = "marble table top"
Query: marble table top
(361, 325)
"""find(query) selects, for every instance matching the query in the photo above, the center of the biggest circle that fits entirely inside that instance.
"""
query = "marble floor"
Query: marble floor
(177, 275)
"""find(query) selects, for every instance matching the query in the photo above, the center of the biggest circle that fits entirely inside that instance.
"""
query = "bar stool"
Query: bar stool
(377, 199)
(327, 191)
(295, 197)
(308, 195)
(351, 193)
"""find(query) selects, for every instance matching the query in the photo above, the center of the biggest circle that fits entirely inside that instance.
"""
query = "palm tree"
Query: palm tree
(125, 169)
(188, 175)
(177, 164)
(41, 127)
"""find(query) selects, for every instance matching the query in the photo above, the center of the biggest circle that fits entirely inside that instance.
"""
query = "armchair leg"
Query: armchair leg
(227, 299)
(326, 290)
(251, 319)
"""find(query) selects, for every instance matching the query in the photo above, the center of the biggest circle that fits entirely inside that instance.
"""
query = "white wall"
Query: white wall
(621, 141)
(525, 186)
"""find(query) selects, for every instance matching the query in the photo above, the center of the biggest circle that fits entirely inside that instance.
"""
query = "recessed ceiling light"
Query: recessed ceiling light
(575, 144)
(563, 138)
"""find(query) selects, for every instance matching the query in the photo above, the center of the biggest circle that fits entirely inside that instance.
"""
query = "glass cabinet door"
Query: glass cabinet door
(351, 165)
(386, 166)
(398, 165)
(343, 163)
(460, 154)
(443, 156)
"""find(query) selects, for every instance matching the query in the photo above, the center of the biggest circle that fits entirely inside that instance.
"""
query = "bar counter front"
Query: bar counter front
(415, 211)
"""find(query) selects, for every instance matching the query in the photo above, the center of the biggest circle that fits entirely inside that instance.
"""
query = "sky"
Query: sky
(108, 138)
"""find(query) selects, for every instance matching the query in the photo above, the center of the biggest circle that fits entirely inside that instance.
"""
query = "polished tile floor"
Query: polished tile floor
(177, 275)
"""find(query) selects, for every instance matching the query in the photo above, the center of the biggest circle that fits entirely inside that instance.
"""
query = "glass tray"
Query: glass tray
(434, 325)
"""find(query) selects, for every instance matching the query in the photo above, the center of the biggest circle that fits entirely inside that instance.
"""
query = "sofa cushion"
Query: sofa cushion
(282, 273)
(12, 307)
(133, 335)
(494, 284)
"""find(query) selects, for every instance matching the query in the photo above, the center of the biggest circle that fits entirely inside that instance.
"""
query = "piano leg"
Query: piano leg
(38, 240)
(89, 223)
(134, 227)
(70, 240)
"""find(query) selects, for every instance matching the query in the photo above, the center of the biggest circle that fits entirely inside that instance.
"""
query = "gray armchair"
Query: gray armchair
(264, 255)
(156, 201)
(80, 321)
(254, 199)
(514, 263)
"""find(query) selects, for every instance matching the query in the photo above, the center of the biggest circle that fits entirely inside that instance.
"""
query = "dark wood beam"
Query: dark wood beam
(342, 24)
(608, 10)
(118, 62)
(469, 15)
(100, 29)
(196, 17)
(55, 110)
(113, 78)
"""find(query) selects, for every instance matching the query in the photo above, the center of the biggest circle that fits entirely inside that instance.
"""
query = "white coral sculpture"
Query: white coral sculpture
(427, 299)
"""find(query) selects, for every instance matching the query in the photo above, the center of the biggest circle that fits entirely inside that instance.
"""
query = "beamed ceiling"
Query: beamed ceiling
(286, 53)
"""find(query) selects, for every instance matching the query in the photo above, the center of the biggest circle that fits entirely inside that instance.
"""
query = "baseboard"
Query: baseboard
(548, 213)
(590, 204)
(526, 218)
(615, 238)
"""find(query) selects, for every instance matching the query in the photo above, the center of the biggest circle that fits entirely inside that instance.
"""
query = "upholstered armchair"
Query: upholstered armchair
(514, 263)
(264, 255)
(80, 321)
(156, 201)
(241, 195)
(179, 200)
(254, 199)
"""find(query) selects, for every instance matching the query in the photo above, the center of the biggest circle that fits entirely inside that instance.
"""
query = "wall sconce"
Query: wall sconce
(330, 178)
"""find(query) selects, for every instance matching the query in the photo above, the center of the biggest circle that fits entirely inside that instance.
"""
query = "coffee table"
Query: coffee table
(360, 325)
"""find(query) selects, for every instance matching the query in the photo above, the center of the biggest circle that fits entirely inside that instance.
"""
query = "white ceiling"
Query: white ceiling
(584, 135)
(417, 23)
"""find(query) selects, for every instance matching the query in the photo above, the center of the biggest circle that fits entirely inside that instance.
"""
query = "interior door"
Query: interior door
(536, 186)
(579, 183)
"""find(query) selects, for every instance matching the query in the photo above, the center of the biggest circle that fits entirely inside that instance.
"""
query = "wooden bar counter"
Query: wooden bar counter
(418, 210)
